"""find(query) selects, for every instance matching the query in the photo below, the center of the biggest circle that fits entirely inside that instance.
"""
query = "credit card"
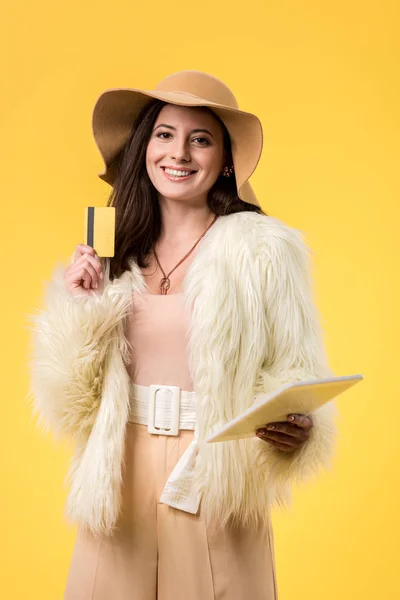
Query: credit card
(100, 229)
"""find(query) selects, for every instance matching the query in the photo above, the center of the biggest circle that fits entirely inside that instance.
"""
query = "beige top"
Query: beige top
(157, 331)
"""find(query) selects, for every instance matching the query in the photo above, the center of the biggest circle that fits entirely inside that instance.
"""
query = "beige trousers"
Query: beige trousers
(160, 553)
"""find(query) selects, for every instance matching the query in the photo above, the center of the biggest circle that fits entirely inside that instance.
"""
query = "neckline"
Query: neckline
(202, 241)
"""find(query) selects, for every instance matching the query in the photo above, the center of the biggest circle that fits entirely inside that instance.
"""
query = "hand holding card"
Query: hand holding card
(84, 276)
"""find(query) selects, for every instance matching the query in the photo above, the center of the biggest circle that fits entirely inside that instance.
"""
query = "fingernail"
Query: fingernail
(291, 418)
(101, 276)
(260, 431)
(270, 426)
(96, 285)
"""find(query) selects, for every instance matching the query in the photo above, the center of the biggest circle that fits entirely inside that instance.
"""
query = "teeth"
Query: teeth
(175, 173)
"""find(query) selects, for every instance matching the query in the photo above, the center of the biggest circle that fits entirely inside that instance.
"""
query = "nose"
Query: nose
(179, 150)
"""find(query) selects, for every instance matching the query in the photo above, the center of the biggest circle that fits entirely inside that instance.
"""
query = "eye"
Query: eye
(203, 141)
(163, 133)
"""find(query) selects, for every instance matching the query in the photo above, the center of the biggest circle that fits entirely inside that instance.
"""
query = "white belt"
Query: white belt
(166, 409)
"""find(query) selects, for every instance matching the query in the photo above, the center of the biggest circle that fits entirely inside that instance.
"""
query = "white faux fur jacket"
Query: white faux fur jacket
(254, 326)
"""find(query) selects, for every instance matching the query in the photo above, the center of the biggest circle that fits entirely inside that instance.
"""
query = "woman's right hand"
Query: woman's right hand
(86, 272)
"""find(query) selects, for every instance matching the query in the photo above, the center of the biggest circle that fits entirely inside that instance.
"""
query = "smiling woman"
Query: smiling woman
(176, 153)
(164, 140)
(141, 378)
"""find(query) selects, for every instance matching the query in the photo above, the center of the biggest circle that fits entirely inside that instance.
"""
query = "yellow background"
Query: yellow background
(323, 77)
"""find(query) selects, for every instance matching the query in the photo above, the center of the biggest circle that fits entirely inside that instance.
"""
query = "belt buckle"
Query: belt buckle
(174, 428)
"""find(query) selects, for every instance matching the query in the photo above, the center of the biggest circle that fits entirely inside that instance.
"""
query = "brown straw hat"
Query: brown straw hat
(116, 110)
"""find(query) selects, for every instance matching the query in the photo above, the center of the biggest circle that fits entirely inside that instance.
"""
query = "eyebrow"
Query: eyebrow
(174, 128)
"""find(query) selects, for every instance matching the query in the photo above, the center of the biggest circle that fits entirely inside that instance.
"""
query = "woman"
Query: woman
(207, 302)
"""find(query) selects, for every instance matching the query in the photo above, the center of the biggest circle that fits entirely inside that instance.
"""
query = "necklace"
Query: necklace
(165, 281)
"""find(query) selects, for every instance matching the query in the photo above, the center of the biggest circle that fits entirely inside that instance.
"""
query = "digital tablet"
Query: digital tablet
(299, 397)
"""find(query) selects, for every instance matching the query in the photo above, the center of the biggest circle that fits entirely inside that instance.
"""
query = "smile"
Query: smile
(176, 174)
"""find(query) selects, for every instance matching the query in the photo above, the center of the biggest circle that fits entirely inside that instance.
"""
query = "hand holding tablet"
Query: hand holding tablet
(287, 436)
(298, 398)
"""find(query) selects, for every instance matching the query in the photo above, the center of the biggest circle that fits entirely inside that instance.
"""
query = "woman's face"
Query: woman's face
(185, 153)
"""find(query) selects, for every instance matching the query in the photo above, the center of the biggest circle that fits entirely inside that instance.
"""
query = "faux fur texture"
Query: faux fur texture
(79, 386)
(254, 326)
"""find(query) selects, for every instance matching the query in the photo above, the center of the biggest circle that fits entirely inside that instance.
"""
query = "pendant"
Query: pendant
(164, 285)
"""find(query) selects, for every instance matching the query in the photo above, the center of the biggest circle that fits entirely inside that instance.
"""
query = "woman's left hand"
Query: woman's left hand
(287, 436)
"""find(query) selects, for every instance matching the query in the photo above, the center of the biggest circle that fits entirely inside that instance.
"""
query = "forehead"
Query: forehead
(193, 117)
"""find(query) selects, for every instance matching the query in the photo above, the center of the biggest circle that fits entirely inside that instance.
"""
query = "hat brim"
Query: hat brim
(116, 110)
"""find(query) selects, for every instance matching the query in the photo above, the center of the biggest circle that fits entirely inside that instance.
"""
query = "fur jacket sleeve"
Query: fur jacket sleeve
(71, 339)
(296, 353)
(261, 329)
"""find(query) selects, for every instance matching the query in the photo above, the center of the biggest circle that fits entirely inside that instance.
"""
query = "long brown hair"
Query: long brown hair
(137, 211)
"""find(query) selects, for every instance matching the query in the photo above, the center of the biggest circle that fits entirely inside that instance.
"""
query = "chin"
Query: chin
(175, 194)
